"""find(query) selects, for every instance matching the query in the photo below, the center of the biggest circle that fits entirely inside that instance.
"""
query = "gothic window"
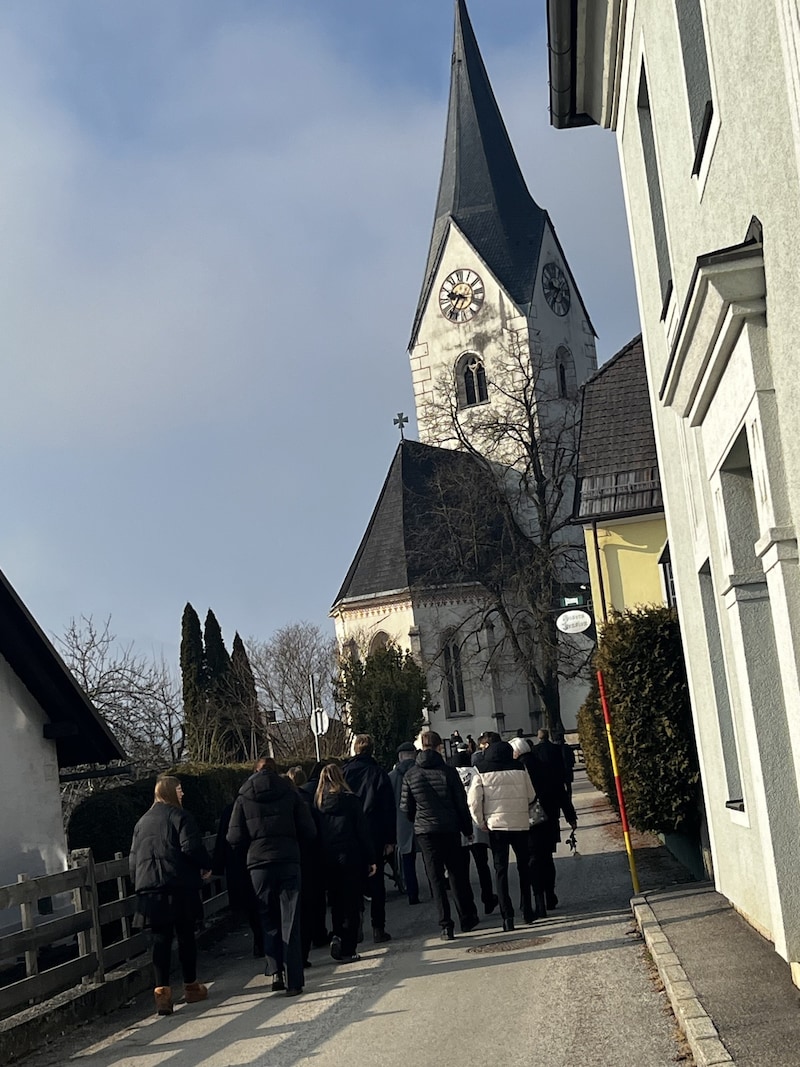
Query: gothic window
(471, 380)
(379, 642)
(565, 372)
(454, 680)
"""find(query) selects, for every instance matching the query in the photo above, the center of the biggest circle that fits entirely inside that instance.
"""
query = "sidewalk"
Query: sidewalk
(731, 992)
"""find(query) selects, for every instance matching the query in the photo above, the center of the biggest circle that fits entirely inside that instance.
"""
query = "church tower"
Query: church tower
(497, 287)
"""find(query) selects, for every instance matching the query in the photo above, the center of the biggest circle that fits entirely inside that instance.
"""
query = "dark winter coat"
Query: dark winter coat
(167, 851)
(405, 831)
(433, 797)
(232, 862)
(344, 836)
(269, 819)
(370, 781)
(547, 776)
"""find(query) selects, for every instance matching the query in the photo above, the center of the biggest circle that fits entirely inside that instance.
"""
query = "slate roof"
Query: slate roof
(617, 464)
(423, 529)
(481, 187)
(86, 738)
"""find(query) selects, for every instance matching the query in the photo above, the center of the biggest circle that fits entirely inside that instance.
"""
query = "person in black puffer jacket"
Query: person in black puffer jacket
(269, 819)
(167, 863)
(433, 798)
(347, 856)
(369, 781)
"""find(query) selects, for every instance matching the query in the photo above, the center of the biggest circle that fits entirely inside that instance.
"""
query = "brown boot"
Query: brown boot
(163, 995)
(194, 992)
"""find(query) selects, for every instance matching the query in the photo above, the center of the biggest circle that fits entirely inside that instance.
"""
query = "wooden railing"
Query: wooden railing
(95, 936)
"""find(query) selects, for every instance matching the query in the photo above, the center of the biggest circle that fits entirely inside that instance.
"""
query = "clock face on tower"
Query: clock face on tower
(556, 288)
(461, 295)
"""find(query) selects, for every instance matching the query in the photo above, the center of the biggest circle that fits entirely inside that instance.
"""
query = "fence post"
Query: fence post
(122, 893)
(85, 899)
(26, 915)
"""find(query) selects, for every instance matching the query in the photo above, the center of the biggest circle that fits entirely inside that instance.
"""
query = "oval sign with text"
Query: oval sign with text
(574, 622)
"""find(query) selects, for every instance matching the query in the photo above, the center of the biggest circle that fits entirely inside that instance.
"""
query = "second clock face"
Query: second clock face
(556, 288)
(461, 295)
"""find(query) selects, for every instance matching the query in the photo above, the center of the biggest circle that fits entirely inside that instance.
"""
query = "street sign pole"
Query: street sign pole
(313, 715)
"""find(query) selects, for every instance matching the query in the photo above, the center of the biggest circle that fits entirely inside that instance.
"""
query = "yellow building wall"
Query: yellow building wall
(629, 551)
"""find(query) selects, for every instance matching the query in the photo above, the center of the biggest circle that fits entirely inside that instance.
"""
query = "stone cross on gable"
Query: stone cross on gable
(401, 421)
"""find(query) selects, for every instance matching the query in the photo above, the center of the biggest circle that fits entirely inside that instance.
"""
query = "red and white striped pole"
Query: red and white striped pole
(623, 814)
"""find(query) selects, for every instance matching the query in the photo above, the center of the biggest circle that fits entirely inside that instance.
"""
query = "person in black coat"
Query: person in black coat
(369, 781)
(232, 863)
(433, 799)
(167, 864)
(546, 770)
(347, 856)
(318, 907)
(269, 820)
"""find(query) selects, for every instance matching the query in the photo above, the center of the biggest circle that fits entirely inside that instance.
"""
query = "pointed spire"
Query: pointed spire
(481, 188)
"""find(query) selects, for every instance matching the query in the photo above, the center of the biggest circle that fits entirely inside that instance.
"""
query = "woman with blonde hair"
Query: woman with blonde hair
(167, 864)
(347, 857)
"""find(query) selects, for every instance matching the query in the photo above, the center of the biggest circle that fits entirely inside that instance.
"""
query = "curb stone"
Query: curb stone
(701, 1034)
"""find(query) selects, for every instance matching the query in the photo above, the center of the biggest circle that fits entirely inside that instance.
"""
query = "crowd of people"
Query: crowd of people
(292, 848)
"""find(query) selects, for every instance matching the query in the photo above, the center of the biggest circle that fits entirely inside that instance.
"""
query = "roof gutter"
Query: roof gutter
(562, 36)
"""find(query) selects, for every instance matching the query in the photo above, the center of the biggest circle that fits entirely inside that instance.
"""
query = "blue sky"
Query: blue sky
(200, 205)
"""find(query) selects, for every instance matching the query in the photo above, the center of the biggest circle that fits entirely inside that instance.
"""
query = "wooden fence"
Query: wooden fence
(93, 938)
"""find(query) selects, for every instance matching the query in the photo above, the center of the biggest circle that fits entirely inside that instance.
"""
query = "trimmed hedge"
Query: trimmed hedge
(104, 821)
(641, 658)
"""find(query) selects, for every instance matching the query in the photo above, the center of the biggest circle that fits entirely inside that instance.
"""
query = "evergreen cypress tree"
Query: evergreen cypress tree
(193, 673)
(245, 696)
(230, 746)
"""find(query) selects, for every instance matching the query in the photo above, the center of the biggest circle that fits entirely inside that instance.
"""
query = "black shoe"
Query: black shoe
(294, 992)
(489, 906)
(448, 934)
(278, 984)
(528, 917)
(336, 947)
(322, 942)
(379, 936)
(508, 925)
(258, 950)
(552, 901)
(350, 959)
(470, 923)
(306, 964)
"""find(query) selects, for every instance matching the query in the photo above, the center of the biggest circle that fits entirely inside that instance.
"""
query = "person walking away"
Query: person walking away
(370, 782)
(547, 778)
(499, 797)
(311, 873)
(320, 937)
(478, 844)
(347, 857)
(568, 759)
(488, 737)
(232, 863)
(433, 799)
(167, 865)
(269, 820)
(406, 848)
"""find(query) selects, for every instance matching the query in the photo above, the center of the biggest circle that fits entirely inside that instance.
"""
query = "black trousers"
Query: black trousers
(344, 891)
(278, 890)
(440, 851)
(542, 864)
(163, 934)
(409, 867)
(500, 841)
(480, 854)
(375, 889)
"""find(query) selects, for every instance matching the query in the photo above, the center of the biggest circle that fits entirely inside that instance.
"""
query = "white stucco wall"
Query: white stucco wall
(32, 838)
(749, 391)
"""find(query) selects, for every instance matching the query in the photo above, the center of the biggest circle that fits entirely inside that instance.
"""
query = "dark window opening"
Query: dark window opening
(473, 381)
(454, 679)
(696, 73)
(654, 188)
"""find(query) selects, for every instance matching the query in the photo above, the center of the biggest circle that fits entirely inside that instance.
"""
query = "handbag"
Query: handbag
(536, 813)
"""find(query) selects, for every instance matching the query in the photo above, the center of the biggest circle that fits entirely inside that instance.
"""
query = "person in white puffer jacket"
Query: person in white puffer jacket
(498, 798)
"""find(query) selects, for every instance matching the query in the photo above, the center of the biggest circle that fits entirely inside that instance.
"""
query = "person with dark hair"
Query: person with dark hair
(311, 875)
(499, 797)
(167, 865)
(547, 777)
(318, 905)
(406, 850)
(369, 781)
(488, 737)
(433, 799)
(269, 820)
(478, 844)
(347, 857)
(232, 863)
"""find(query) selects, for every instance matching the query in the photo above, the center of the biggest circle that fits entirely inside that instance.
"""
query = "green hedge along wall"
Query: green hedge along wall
(641, 658)
(104, 821)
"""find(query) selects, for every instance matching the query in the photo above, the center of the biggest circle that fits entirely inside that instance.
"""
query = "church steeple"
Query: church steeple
(481, 188)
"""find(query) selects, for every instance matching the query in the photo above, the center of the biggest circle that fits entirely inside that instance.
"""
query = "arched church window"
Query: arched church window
(455, 702)
(379, 642)
(471, 380)
(565, 373)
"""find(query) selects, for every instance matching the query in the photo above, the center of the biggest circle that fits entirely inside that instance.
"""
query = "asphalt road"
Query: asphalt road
(574, 989)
